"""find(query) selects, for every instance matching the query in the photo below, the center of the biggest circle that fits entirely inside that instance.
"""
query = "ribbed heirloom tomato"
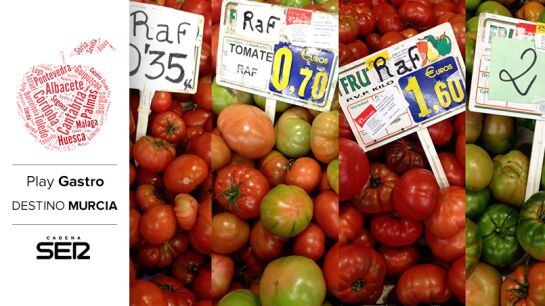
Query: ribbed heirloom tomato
(393, 231)
(424, 283)
(415, 194)
(353, 168)
(185, 173)
(376, 195)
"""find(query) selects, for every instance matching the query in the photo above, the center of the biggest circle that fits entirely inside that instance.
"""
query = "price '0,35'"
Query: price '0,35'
(283, 59)
(446, 93)
(157, 65)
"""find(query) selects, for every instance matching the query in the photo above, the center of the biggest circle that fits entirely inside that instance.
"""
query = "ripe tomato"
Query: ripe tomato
(305, 173)
(161, 255)
(324, 136)
(376, 195)
(185, 173)
(417, 14)
(144, 176)
(364, 238)
(203, 284)
(185, 208)
(448, 249)
(455, 172)
(134, 226)
(524, 286)
(274, 166)
(423, 284)
(441, 132)
(221, 154)
(448, 217)
(240, 189)
(457, 279)
(394, 231)
(350, 222)
(353, 168)
(197, 117)
(229, 233)
(390, 22)
(399, 260)
(161, 101)
(168, 126)
(158, 224)
(247, 130)
(415, 194)
(153, 154)
(146, 293)
(348, 28)
(344, 127)
(405, 154)
(147, 197)
(186, 267)
(326, 213)
(200, 235)
(174, 291)
(366, 20)
(200, 146)
(461, 149)
(203, 97)
(373, 42)
(265, 245)
(354, 274)
(310, 243)
(389, 39)
(223, 269)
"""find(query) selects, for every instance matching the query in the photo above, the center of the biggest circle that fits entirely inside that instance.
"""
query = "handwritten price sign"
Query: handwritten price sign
(165, 48)
(281, 53)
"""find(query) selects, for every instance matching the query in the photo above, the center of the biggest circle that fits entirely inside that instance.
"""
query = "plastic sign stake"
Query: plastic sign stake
(165, 52)
(536, 159)
(433, 158)
(270, 108)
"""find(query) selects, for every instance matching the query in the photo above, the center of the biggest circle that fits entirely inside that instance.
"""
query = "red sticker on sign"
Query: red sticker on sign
(365, 115)
(295, 16)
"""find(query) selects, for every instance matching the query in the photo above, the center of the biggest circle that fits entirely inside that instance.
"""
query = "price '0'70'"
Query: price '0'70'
(446, 93)
(283, 58)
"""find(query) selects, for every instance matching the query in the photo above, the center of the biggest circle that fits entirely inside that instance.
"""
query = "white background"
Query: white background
(34, 32)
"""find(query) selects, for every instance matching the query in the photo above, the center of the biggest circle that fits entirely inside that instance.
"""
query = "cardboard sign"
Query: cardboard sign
(508, 69)
(410, 85)
(285, 54)
(165, 48)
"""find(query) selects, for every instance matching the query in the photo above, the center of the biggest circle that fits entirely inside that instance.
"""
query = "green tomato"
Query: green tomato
(286, 210)
(240, 297)
(508, 183)
(543, 175)
(474, 126)
(290, 281)
(225, 96)
(483, 286)
(527, 123)
(472, 4)
(542, 17)
(476, 202)
(293, 136)
(498, 134)
(472, 25)
(333, 175)
(470, 55)
(493, 7)
(531, 228)
(296, 3)
(498, 228)
(479, 167)
(261, 101)
(474, 246)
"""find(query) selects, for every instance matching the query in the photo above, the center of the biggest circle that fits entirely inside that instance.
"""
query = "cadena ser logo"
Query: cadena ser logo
(63, 247)
(432, 47)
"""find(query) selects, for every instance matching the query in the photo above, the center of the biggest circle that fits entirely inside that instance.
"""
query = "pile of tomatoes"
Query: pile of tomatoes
(170, 179)
(367, 26)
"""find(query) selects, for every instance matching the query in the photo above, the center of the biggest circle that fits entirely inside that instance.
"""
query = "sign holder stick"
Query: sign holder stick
(433, 158)
(144, 109)
(270, 108)
(536, 159)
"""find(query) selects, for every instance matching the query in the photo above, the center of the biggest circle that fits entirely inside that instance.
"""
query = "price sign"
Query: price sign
(165, 48)
(508, 68)
(281, 53)
(408, 86)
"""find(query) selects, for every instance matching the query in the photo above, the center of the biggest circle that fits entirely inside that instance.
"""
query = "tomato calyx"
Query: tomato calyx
(358, 285)
(232, 194)
(520, 293)
(375, 182)
(167, 287)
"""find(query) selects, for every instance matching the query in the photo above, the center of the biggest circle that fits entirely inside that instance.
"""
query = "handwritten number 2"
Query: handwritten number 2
(510, 78)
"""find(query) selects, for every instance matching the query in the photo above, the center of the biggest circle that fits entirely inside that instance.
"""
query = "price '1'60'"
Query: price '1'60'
(446, 93)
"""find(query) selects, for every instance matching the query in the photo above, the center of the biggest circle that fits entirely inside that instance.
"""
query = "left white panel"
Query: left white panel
(64, 173)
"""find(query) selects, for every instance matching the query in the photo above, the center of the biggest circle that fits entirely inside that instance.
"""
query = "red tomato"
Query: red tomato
(350, 222)
(146, 293)
(364, 238)
(197, 117)
(326, 213)
(423, 284)
(161, 101)
(240, 189)
(174, 291)
(158, 224)
(168, 126)
(461, 149)
(366, 20)
(415, 194)
(147, 197)
(417, 14)
(221, 153)
(457, 278)
(310, 243)
(186, 266)
(201, 146)
(153, 154)
(185, 173)
(144, 176)
(376, 195)
(186, 208)
(354, 274)
(409, 32)
(305, 173)
(454, 171)
(441, 132)
(359, 50)
(353, 168)
(274, 166)
(161, 255)
(460, 123)
(203, 284)
(132, 125)
(348, 29)
(223, 269)
(448, 217)
(395, 232)
(389, 39)
(134, 225)
(203, 97)
(447, 249)
(399, 260)
(405, 154)
(265, 245)
(373, 42)
(200, 236)
(344, 127)
(390, 22)
(229, 233)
